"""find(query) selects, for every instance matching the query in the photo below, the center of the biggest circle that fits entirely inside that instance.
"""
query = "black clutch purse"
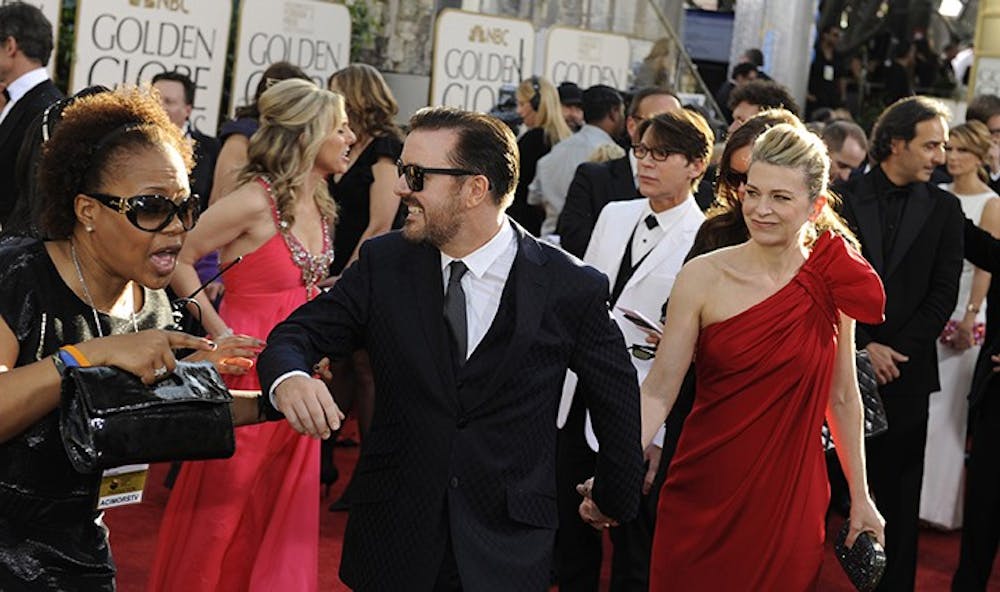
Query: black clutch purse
(864, 563)
(109, 418)
(876, 421)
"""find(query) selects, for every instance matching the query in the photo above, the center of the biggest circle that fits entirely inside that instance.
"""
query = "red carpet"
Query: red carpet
(133, 539)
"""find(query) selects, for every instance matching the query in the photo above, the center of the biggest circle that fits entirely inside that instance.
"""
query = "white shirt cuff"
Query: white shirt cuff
(994, 176)
(657, 439)
(287, 375)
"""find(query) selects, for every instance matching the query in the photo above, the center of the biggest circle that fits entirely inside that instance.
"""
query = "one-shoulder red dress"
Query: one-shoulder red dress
(746, 494)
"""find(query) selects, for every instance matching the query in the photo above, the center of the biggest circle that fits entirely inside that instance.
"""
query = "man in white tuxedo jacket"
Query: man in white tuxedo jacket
(640, 245)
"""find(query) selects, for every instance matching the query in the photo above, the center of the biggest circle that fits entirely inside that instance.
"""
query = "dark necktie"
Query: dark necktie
(651, 222)
(454, 309)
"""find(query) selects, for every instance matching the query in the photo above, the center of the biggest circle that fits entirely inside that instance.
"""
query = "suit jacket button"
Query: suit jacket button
(462, 422)
(454, 482)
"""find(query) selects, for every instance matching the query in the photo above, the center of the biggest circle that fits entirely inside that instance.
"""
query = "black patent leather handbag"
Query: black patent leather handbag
(864, 562)
(109, 418)
(876, 422)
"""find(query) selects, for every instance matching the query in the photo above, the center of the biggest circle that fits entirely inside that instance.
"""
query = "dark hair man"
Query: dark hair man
(756, 96)
(743, 73)
(911, 232)
(848, 149)
(596, 183)
(827, 73)
(177, 97)
(571, 99)
(640, 245)
(471, 324)
(25, 47)
(603, 110)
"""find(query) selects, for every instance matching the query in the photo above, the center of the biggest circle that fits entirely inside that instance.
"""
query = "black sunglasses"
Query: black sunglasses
(642, 352)
(153, 213)
(414, 174)
(734, 179)
(658, 154)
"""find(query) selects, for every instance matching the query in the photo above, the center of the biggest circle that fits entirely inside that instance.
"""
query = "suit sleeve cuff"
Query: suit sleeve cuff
(279, 380)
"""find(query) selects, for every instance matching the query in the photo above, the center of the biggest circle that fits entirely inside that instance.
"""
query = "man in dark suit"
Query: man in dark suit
(597, 183)
(177, 97)
(471, 325)
(25, 47)
(911, 233)
(981, 512)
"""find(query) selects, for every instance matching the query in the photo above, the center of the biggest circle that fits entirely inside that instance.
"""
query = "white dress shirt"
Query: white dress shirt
(556, 170)
(489, 266)
(21, 86)
(645, 239)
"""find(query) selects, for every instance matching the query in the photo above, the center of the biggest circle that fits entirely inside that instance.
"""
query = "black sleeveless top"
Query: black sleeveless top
(48, 518)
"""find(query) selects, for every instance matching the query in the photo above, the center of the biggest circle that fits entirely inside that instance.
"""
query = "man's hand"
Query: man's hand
(593, 516)
(884, 360)
(996, 362)
(652, 456)
(308, 406)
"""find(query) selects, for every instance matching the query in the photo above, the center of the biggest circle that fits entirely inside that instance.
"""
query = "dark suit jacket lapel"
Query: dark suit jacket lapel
(18, 111)
(621, 170)
(427, 295)
(864, 205)
(530, 293)
(918, 207)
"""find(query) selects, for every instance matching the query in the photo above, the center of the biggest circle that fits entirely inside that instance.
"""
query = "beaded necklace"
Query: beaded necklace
(314, 267)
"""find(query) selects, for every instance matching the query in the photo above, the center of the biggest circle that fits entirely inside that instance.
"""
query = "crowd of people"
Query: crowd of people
(618, 313)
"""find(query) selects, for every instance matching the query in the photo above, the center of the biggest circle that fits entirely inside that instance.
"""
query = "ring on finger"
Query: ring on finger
(160, 372)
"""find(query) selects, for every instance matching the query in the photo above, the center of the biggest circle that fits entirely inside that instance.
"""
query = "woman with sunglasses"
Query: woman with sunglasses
(115, 212)
(251, 522)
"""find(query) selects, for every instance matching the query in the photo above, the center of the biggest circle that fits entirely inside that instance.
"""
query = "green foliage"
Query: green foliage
(365, 27)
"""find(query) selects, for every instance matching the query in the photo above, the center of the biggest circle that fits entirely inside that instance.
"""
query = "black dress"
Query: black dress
(532, 145)
(51, 536)
(352, 194)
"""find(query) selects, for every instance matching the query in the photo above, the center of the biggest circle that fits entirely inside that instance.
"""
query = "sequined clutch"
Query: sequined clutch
(864, 562)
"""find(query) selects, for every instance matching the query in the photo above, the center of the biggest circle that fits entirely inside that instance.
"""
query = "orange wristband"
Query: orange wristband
(77, 355)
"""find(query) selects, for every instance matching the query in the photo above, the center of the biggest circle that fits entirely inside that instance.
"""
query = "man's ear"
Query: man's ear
(478, 190)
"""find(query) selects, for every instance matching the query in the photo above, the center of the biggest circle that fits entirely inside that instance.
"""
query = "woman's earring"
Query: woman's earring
(90, 229)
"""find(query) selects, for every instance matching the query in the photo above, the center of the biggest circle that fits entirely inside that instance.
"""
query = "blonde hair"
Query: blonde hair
(370, 104)
(549, 110)
(295, 118)
(606, 152)
(975, 137)
(790, 146)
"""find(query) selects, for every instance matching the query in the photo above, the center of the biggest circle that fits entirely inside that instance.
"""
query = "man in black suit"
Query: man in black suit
(25, 47)
(981, 512)
(177, 97)
(471, 324)
(911, 233)
(597, 183)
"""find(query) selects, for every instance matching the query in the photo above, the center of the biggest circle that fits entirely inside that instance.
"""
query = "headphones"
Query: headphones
(536, 95)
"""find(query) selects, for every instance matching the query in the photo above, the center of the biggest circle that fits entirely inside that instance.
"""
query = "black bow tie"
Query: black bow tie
(651, 222)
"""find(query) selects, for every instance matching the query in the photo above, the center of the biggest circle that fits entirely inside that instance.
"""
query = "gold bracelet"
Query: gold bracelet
(243, 394)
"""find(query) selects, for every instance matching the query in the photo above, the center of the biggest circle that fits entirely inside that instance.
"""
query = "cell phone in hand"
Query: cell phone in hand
(642, 321)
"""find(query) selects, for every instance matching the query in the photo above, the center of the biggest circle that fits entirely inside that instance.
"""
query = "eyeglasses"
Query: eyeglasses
(153, 213)
(642, 352)
(734, 178)
(414, 174)
(658, 154)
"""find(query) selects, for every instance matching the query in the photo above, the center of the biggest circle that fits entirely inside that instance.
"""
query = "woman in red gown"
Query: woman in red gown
(770, 324)
(251, 522)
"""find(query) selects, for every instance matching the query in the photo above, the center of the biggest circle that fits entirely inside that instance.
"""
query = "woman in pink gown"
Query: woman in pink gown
(251, 522)
(770, 324)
